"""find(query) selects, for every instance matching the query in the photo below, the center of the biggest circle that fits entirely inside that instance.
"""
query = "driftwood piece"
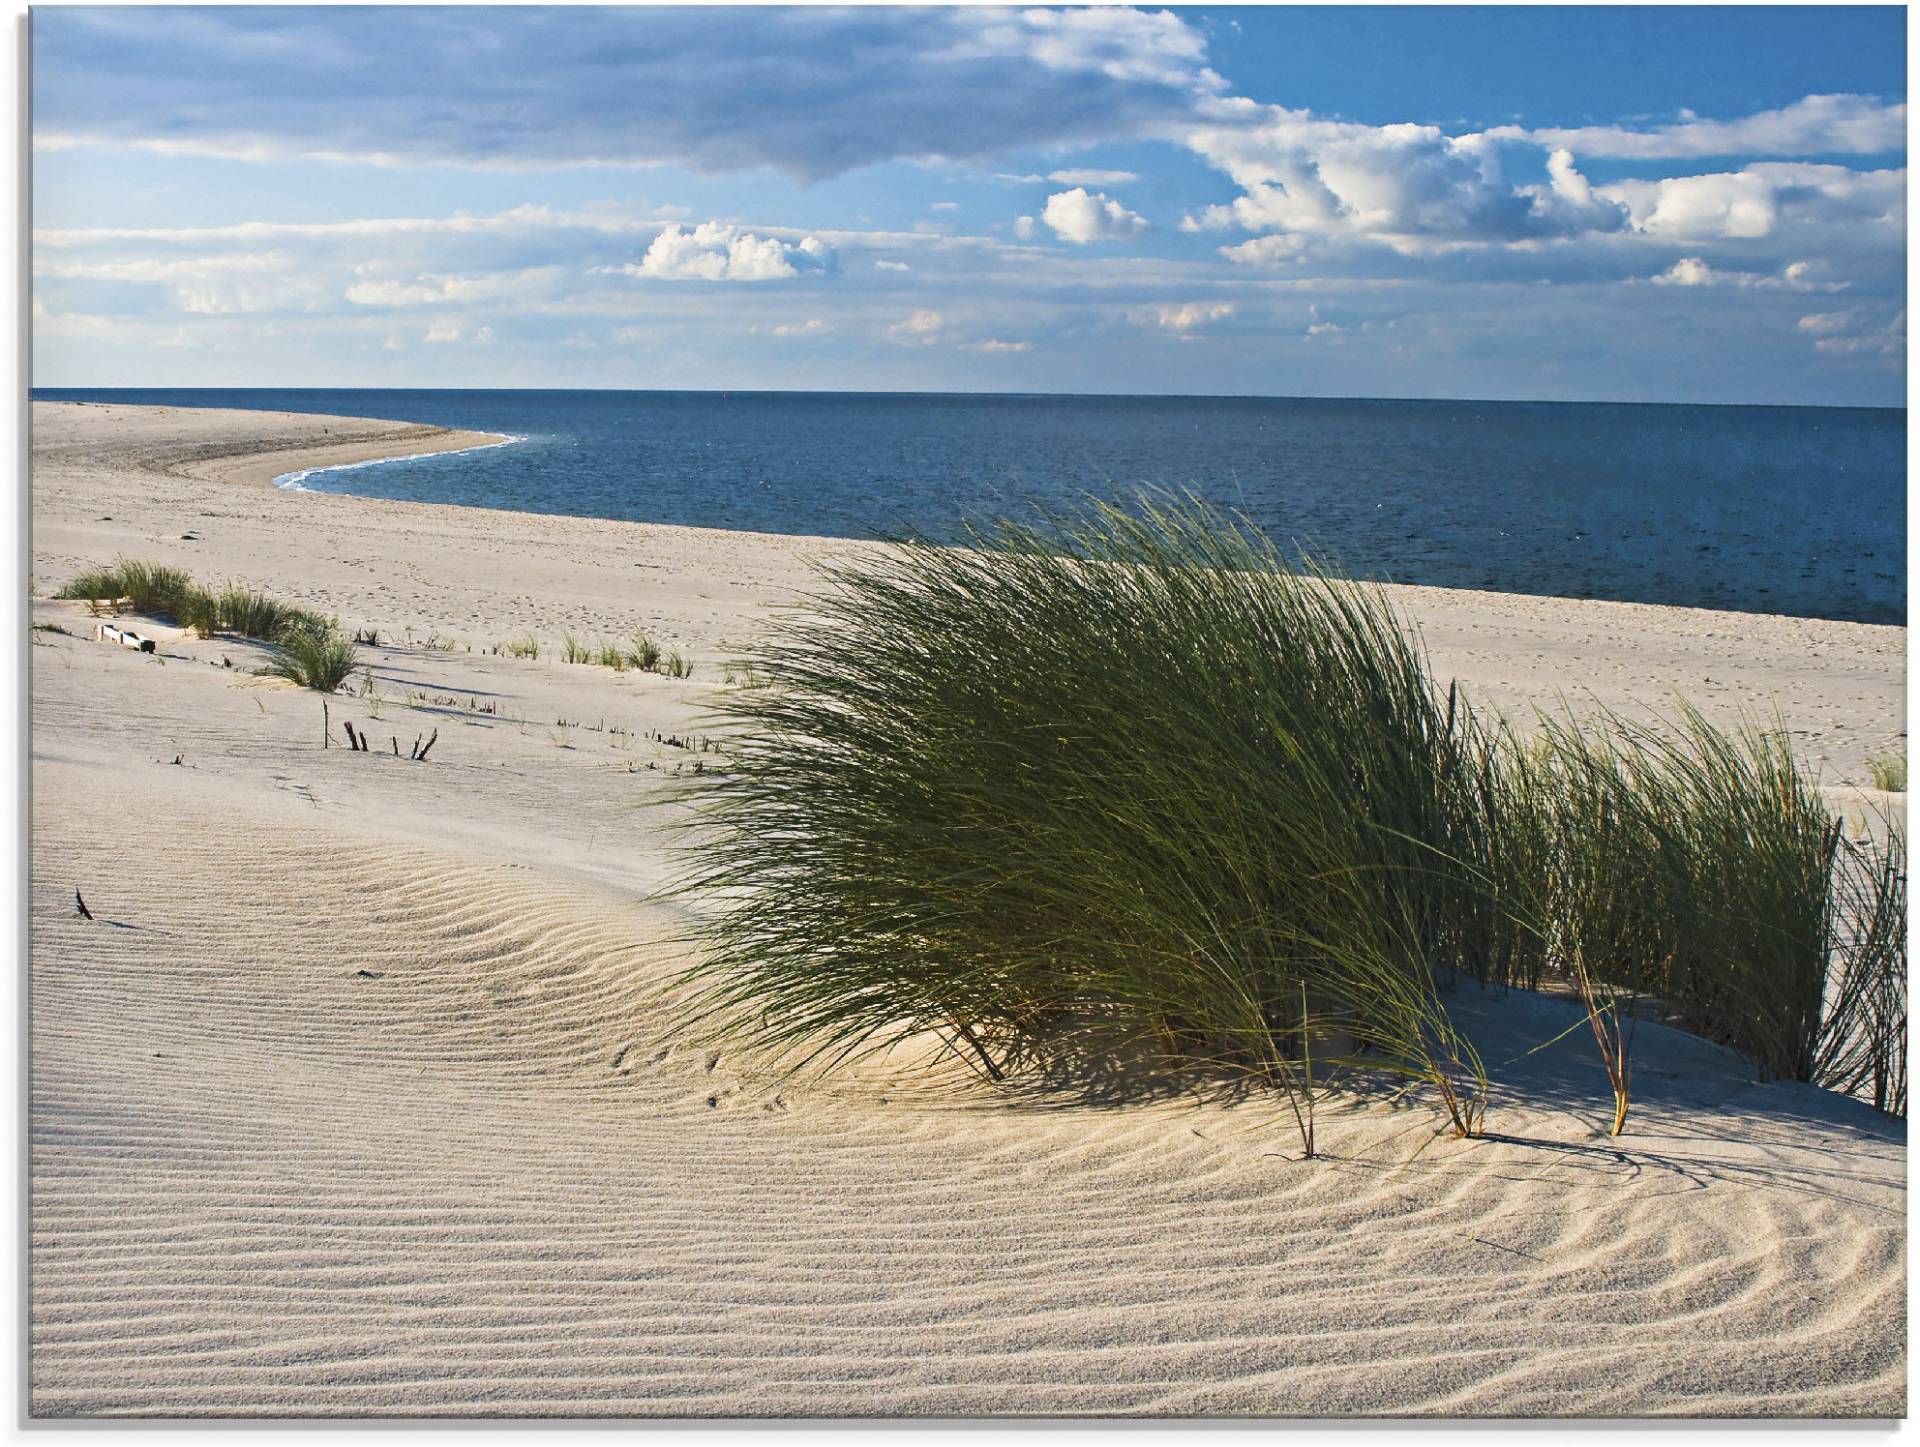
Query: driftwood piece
(362, 742)
(125, 637)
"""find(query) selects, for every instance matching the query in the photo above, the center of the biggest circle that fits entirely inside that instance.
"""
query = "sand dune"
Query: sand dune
(358, 1096)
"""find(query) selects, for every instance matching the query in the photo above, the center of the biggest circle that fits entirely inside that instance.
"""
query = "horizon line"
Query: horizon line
(983, 392)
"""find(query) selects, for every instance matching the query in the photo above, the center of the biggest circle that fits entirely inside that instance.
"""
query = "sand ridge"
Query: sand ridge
(360, 1094)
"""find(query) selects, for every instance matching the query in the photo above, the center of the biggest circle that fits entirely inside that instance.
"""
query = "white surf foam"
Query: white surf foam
(296, 481)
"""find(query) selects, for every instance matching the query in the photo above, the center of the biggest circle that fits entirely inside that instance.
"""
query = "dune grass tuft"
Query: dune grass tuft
(153, 588)
(1889, 771)
(95, 585)
(165, 591)
(1130, 786)
(1137, 784)
(644, 654)
(196, 608)
(321, 661)
(255, 615)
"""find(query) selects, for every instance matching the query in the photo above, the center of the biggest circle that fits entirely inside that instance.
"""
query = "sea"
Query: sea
(1792, 510)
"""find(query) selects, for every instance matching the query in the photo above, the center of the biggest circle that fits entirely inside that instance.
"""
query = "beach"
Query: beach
(357, 1094)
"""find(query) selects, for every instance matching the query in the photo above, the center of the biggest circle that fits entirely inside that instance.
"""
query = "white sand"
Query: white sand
(353, 1099)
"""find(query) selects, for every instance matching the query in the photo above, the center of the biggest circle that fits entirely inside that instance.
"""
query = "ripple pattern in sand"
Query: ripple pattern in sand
(331, 1128)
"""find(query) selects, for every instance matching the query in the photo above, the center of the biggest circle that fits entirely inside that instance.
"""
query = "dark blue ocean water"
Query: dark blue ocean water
(1767, 509)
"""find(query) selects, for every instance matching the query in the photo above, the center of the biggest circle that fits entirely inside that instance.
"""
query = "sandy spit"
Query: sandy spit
(353, 1097)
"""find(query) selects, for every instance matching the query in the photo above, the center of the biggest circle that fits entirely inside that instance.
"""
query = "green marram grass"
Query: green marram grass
(644, 654)
(321, 661)
(256, 615)
(1889, 771)
(1127, 784)
(162, 590)
(152, 588)
(1124, 784)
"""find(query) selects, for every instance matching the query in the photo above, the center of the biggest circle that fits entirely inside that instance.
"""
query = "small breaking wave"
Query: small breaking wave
(296, 481)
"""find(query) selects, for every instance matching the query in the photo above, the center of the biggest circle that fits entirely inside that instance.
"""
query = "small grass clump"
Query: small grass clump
(525, 646)
(196, 608)
(1889, 772)
(164, 591)
(155, 588)
(255, 615)
(676, 664)
(644, 654)
(1129, 787)
(611, 655)
(158, 589)
(321, 661)
(574, 650)
(95, 585)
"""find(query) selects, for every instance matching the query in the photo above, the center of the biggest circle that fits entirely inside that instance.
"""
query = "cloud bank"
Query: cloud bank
(811, 92)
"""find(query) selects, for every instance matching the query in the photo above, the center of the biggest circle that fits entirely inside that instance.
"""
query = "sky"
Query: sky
(1612, 203)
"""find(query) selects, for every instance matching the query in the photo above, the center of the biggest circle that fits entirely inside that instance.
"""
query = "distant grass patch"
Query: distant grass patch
(256, 615)
(308, 648)
(164, 591)
(152, 588)
(95, 585)
(321, 661)
(194, 607)
(1889, 771)
(1132, 787)
(644, 654)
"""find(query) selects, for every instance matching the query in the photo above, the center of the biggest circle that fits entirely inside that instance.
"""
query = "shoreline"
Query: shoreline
(291, 481)
(1840, 685)
(417, 439)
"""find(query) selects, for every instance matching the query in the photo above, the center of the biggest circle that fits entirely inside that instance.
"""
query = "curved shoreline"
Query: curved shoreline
(291, 481)
(215, 444)
(110, 479)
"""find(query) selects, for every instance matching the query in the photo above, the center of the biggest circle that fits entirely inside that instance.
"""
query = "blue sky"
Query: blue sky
(1698, 204)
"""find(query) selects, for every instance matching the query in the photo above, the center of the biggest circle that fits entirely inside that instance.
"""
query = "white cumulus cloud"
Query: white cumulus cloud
(1299, 173)
(1083, 216)
(712, 251)
(1761, 199)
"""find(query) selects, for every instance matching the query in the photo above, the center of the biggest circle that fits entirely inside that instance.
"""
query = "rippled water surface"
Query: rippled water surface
(1767, 509)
